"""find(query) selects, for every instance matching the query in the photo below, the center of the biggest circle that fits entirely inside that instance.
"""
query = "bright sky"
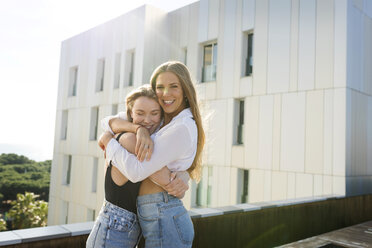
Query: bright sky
(31, 32)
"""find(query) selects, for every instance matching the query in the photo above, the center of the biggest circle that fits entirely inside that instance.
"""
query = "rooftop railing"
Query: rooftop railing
(265, 224)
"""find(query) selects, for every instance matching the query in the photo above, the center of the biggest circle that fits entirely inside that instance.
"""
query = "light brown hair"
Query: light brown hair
(183, 74)
(144, 90)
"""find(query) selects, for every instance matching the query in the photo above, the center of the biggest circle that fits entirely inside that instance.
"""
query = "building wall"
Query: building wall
(307, 105)
(359, 98)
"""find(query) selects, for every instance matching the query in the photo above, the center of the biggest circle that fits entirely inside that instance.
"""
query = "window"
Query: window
(248, 54)
(117, 71)
(64, 125)
(100, 75)
(73, 75)
(204, 188)
(114, 110)
(239, 121)
(209, 69)
(64, 212)
(94, 175)
(67, 169)
(91, 214)
(93, 123)
(243, 177)
(129, 68)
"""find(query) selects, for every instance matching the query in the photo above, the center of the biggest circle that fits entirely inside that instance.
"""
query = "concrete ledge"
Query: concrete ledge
(9, 238)
(79, 228)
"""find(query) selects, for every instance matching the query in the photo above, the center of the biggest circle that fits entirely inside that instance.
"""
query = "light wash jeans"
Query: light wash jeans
(164, 221)
(114, 227)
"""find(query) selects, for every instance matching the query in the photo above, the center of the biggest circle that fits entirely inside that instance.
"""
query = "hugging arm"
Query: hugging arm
(174, 183)
(170, 147)
(118, 124)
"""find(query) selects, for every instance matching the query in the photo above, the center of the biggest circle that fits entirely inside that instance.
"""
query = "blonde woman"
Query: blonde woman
(178, 145)
(117, 224)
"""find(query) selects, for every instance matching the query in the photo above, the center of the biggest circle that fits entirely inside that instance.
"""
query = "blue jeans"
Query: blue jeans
(164, 221)
(114, 227)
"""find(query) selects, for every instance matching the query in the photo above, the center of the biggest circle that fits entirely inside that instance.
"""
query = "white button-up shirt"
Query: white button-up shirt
(175, 147)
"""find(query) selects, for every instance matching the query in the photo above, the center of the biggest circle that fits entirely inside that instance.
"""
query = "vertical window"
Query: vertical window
(93, 123)
(117, 71)
(100, 74)
(129, 68)
(243, 177)
(209, 70)
(73, 75)
(248, 54)
(94, 175)
(67, 169)
(64, 214)
(64, 124)
(239, 120)
(114, 110)
(204, 188)
(91, 214)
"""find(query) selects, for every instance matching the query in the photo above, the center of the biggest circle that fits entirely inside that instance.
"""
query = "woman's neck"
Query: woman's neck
(168, 117)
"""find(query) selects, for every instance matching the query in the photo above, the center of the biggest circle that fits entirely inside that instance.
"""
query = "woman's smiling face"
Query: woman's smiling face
(147, 113)
(170, 94)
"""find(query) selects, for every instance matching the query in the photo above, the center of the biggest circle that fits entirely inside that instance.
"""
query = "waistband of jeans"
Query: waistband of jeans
(112, 208)
(156, 198)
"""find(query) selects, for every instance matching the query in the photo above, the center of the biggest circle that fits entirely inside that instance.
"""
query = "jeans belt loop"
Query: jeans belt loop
(165, 197)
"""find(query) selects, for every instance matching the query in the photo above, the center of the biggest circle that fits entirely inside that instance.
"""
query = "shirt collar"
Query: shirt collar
(183, 114)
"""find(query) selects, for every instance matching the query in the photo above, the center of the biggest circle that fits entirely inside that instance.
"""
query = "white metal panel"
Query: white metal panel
(340, 43)
(355, 49)
(327, 185)
(276, 131)
(267, 185)
(256, 185)
(226, 55)
(293, 70)
(324, 44)
(251, 131)
(293, 132)
(214, 17)
(278, 186)
(328, 132)
(260, 47)
(318, 185)
(248, 14)
(314, 132)
(369, 125)
(306, 46)
(304, 185)
(367, 52)
(341, 131)
(291, 185)
(203, 21)
(278, 46)
(265, 137)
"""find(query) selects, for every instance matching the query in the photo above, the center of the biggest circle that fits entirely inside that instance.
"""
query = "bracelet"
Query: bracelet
(137, 129)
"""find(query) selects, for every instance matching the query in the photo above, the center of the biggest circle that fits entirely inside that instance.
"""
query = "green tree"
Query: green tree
(12, 158)
(2, 224)
(27, 212)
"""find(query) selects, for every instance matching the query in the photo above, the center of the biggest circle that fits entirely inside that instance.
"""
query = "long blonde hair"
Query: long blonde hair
(183, 74)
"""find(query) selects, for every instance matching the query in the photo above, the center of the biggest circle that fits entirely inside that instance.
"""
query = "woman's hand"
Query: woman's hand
(104, 139)
(144, 145)
(179, 184)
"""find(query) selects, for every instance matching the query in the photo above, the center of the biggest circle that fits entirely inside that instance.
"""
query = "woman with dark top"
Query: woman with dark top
(117, 224)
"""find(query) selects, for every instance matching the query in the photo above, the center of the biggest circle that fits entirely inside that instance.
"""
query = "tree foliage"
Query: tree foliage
(2, 224)
(19, 174)
(12, 158)
(28, 212)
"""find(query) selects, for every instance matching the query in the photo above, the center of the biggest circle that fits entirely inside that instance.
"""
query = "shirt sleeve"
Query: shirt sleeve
(170, 145)
(105, 121)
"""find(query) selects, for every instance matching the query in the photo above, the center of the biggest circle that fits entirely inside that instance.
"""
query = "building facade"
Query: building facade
(285, 88)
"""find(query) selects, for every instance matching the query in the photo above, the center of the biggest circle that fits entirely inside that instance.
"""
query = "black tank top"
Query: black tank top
(124, 196)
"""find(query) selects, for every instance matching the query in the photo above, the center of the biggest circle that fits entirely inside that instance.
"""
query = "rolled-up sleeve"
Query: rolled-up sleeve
(170, 146)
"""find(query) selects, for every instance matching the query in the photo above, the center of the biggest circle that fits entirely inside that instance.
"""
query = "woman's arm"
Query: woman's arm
(174, 183)
(171, 145)
(118, 124)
